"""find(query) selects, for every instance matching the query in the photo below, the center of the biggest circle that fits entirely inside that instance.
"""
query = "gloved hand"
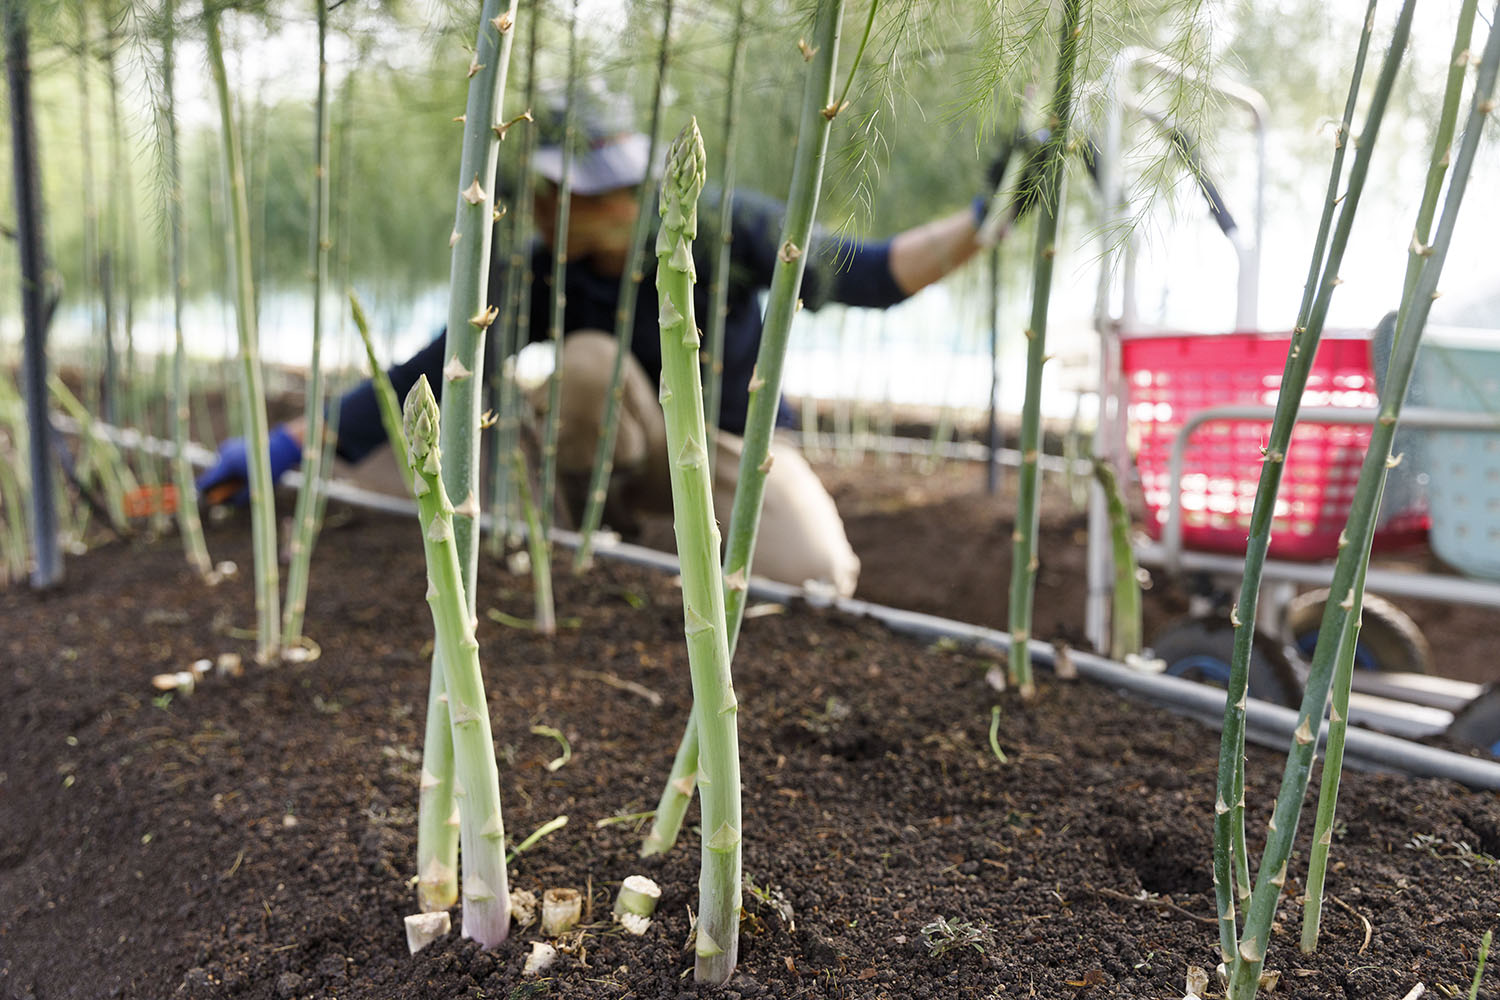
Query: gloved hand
(228, 481)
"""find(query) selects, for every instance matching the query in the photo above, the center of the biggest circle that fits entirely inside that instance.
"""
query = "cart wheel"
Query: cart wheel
(1478, 722)
(1200, 649)
(1389, 640)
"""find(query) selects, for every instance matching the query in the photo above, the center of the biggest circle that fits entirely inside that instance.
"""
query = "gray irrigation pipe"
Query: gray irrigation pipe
(1265, 723)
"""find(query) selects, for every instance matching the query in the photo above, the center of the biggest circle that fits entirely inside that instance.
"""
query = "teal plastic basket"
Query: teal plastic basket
(1459, 369)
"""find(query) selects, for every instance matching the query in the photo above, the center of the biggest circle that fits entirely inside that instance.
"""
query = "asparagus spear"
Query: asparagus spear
(486, 891)
(717, 940)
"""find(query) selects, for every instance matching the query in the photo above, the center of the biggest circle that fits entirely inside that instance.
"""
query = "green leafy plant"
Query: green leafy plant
(943, 935)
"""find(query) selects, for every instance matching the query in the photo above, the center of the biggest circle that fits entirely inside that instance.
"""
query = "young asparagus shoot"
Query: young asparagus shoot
(437, 823)
(1049, 195)
(486, 890)
(765, 392)
(1317, 867)
(305, 516)
(1354, 554)
(252, 392)
(1484, 953)
(1231, 856)
(715, 707)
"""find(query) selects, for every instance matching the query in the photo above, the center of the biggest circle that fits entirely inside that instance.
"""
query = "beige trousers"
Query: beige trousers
(801, 535)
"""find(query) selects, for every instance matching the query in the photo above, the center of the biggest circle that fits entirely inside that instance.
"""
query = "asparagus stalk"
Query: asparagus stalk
(717, 939)
(559, 291)
(1028, 506)
(305, 516)
(385, 393)
(47, 567)
(188, 523)
(1328, 792)
(630, 283)
(818, 112)
(469, 311)
(718, 288)
(1355, 552)
(545, 616)
(515, 313)
(486, 890)
(1126, 624)
(1231, 855)
(262, 497)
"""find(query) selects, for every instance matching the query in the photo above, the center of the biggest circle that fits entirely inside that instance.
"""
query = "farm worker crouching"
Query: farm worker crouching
(801, 534)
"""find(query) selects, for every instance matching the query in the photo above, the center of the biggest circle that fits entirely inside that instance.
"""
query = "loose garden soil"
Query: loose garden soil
(256, 839)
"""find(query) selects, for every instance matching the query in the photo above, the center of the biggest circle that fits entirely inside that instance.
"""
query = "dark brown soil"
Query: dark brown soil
(256, 838)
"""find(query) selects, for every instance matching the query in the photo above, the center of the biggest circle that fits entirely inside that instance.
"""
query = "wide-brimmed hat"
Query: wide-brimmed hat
(608, 152)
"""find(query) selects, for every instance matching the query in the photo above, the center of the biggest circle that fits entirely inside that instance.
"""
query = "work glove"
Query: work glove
(228, 481)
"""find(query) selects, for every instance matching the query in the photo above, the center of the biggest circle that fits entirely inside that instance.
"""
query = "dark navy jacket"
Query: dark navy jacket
(837, 270)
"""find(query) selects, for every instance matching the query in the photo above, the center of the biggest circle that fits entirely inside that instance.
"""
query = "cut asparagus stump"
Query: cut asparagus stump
(715, 708)
(486, 892)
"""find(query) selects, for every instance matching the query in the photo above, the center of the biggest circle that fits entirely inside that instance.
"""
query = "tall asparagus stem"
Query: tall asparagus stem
(1231, 855)
(718, 930)
(486, 889)
(1354, 553)
(718, 288)
(1125, 639)
(544, 617)
(1049, 197)
(305, 516)
(47, 567)
(1437, 168)
(630, 283)
(91, 258)
(253, 393)
(818, 112)
(515, 311)
(469, 311)
(469, 315)
(559, 291)
(188, 524)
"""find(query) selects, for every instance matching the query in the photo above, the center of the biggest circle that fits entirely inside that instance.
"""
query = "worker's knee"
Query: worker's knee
(588, 365)
(801, 535)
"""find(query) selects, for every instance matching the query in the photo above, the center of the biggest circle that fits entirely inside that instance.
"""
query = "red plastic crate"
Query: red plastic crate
(1171, 376)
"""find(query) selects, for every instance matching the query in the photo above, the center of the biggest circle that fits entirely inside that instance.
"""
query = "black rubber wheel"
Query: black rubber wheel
(1389, 640)
(1478, 722)
(1200, 649)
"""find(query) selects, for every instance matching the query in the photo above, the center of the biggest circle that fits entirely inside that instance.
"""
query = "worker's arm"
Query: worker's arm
(929, 252)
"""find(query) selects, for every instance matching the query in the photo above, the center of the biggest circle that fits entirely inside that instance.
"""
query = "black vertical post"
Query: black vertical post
(48, 569)
(992, 470)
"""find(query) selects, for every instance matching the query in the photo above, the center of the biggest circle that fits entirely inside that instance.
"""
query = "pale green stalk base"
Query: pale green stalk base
(486, 889)
(1333, 764)
(717, 933)
(1028, 505)
(545, 620)
(676, 795)
(437, 813)
(257, 433)
(1125, 625)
